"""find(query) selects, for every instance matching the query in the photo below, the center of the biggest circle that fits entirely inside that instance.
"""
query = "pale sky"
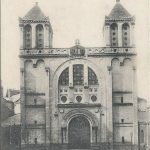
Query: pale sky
(70, 20)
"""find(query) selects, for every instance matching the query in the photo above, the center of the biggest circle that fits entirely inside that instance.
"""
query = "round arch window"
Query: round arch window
(63, 99)
(79, 98)
(93, 98)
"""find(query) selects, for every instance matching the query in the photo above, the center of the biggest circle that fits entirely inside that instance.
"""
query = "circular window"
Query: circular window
(93, 98)
(63, 99)
(79, 98)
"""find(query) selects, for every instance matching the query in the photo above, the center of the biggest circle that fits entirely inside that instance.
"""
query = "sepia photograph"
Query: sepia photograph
(75, 75)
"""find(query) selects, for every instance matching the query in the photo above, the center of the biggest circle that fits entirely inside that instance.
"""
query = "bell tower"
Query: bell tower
(35, 29)
(119, 27)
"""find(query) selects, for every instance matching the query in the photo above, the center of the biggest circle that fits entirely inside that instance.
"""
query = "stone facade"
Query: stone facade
(78, 97)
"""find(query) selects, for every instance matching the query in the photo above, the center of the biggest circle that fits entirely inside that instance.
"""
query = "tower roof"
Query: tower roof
(119, 12)
(35, 14)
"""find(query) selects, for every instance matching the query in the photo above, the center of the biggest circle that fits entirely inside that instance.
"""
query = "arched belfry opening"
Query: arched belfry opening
(27, 37)
(79, 133)
(114, 35)
(126, 35)
(39, 36)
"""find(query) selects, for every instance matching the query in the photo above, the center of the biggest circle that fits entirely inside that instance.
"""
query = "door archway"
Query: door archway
(79, 133)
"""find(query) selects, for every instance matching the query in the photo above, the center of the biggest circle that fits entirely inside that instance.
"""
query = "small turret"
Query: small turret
(119, 27)
(36, 30)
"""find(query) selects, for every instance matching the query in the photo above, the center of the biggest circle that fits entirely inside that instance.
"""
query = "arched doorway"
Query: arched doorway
(79, 133)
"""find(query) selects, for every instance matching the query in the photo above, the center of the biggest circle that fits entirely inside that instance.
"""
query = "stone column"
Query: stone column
(46, 36)
(34, 35)
(71, 90)
(47, 108)
(120, 34)
(134, 99)
(70, 76)
(85, 76)
(22, 100)
(107, 35)
(109, 112)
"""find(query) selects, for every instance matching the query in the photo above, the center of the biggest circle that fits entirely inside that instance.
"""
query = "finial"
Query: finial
(117, 1)
(36, 3)
(77, 42)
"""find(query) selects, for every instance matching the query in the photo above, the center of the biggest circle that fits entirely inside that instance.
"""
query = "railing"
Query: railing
(54, 51)
(110, 50)
(65, 52)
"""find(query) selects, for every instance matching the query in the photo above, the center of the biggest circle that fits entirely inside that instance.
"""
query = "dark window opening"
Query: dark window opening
(35, 122)
(142, 136)
(114, 34)
(122, 99)
(39, 36)
(122, 120)
(35, 140)
(92, 78)
(79, 98)
(122, 139)
(64, 77)
(63, 99)
(27, 36)
(78, 75)
(125, 35)
(35, 101)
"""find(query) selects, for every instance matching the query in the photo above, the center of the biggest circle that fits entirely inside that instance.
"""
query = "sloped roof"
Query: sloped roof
(11, 92)
(35, 14)
(16, 119)
(119, 12)
(15, 98)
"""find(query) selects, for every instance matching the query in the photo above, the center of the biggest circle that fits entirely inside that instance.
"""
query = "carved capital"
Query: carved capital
(86, 85)
(34, 65)
(56, 114)
(109, 68)
(47, 69)
(22, 70)
(71, 85)
(134, 68)
(121, 64)
(61, 110)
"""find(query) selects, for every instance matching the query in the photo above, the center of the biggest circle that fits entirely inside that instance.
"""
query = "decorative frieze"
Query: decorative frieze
(65, 52)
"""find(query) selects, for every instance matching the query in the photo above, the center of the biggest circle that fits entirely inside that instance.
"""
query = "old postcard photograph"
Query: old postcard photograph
(75, 75)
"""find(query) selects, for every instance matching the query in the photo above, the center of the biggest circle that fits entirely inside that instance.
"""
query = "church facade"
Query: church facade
(78, 97)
